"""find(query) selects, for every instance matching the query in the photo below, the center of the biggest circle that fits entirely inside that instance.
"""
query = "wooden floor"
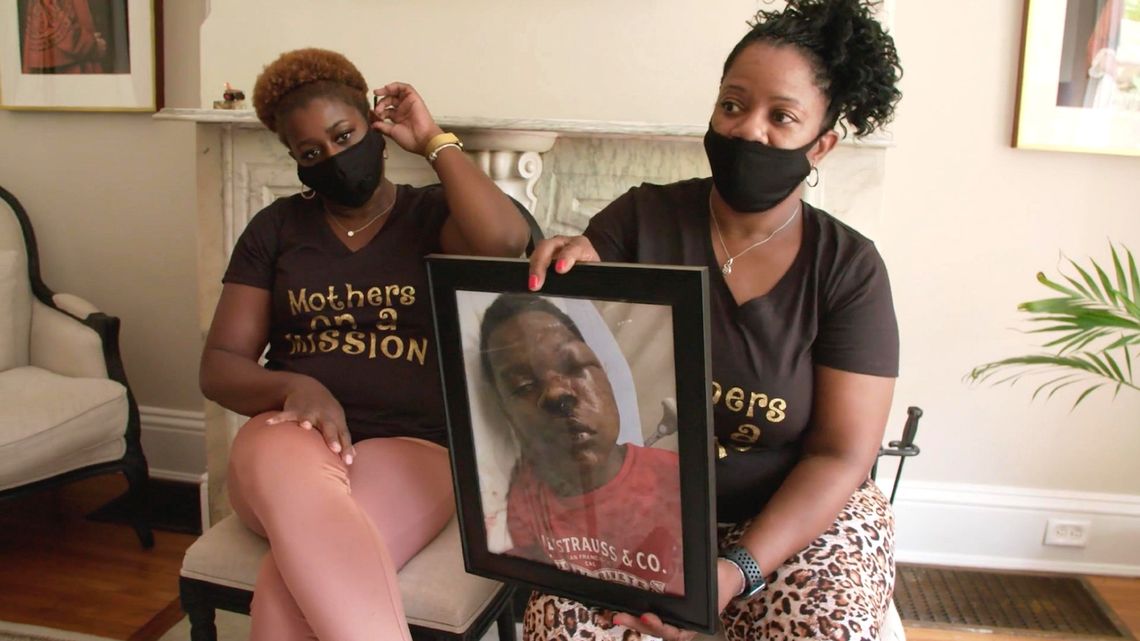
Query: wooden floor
(59, 570)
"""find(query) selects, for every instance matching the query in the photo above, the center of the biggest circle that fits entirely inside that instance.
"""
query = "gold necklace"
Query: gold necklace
(353, 232)
(726, 268)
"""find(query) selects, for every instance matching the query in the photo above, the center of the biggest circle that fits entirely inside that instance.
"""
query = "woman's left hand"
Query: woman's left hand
(402, 116)
(653, 625)
(728, 584)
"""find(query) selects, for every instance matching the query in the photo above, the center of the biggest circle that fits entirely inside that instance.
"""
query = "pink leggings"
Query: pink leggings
(338, 534)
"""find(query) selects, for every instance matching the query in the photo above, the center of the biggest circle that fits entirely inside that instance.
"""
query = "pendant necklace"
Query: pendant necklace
(726, 268)
(353, 232)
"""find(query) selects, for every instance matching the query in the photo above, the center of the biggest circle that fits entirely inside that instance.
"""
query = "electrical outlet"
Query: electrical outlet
(1067, 532)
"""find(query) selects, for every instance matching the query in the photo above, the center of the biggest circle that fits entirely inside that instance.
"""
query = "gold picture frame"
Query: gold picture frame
(1079, 80)
(81, 55)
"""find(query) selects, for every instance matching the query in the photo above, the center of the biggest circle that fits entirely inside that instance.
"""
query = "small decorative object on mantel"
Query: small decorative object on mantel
(231, 99)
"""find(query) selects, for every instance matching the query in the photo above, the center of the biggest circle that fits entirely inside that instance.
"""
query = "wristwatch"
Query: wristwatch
(753, 578)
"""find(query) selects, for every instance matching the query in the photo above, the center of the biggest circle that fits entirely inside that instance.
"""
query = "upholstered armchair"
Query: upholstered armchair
(66, 412)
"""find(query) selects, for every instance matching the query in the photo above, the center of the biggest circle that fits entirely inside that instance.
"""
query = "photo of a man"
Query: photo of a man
(578, 496)
(74, 36)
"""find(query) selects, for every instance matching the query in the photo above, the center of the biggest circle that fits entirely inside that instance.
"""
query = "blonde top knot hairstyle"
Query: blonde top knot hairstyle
(298, 76)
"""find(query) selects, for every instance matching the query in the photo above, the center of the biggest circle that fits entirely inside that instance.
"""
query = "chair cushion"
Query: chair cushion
(437, 591)
(50, 424)
(16, 312)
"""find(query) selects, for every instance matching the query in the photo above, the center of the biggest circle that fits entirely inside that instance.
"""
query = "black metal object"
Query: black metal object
(133, 463)
(903, 448)
(201, 599)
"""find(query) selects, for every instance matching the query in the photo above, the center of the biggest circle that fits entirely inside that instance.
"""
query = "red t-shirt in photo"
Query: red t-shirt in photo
(627, 531)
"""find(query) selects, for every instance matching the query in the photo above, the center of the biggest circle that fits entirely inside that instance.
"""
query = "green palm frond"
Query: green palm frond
(1092, 328)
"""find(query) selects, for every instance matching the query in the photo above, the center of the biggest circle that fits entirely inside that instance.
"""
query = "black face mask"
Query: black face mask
(350, 177)
(752, 176)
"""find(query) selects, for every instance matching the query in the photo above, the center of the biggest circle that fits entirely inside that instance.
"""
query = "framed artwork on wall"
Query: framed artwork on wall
(579, 422)
(81, 55)
(1079, 83)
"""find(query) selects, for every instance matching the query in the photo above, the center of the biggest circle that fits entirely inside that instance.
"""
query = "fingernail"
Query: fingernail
(560, 265)
(532, 282)
(307, 425)
(348, 459)
(645, 619)
(335, 447)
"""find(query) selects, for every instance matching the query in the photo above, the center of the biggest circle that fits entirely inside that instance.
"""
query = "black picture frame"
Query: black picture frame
(682, 292)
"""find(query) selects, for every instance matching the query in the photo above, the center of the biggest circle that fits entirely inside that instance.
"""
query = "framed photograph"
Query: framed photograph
(579, 420)
(81, 55)
(1079, 85)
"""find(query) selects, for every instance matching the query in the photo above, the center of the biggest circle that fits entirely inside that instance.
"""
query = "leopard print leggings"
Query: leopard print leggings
(837, 588)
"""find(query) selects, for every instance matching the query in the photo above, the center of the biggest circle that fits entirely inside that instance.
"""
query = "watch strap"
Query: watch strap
(753, 577)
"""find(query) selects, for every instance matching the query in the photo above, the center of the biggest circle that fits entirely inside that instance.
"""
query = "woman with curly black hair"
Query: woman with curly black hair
(343, 467)
(804, 337)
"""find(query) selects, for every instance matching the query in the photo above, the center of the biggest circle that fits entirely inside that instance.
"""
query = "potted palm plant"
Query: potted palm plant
(1092, 326)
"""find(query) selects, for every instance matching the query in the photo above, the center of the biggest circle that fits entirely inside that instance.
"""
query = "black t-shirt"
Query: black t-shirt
(358, 322)
(833, 307)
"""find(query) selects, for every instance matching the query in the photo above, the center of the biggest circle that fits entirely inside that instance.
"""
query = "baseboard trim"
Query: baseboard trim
(1028, 565)
(174, 442)
(1002, 527)
(172, 420)
(176, 476)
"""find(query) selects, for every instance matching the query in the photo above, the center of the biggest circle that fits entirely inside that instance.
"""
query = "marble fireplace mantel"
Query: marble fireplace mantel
(564, 171)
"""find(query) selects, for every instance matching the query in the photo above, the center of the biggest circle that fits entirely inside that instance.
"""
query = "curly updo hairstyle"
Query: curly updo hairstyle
(299, 76)
(856, 64)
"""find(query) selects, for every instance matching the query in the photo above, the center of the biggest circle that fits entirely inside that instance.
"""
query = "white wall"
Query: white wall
(969, 222)
(588, 59)
(112, 198)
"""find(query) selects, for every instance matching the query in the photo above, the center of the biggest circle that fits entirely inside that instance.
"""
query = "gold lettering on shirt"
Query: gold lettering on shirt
(327, 336)
(370, 344)
(758, 405)
(734, 399)
(329, 340)
(746, 434)
(387, 319)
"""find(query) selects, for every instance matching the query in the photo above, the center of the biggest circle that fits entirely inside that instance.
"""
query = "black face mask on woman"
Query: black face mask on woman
(752, 176)
(350, 177)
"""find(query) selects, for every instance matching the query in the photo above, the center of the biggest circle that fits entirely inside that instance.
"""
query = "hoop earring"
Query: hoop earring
(312, 194)
(813, 184)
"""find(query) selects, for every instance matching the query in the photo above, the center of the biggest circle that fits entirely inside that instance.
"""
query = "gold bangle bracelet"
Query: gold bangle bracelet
(438, 141)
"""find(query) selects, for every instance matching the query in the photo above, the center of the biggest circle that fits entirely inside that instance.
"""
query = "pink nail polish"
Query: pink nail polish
(348, 459)
(560, 265)
(532, 282)
(335, 448)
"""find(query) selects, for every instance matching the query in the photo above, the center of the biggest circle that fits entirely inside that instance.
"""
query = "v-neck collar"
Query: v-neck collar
(330, 235)
(717, 276)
